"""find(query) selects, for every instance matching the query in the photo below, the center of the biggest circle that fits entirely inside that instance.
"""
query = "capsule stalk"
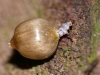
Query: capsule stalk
(64, 28)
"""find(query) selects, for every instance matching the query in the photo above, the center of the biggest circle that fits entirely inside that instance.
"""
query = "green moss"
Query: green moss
(67, 64)
(39, 74)
(92, 74)
(93, 56)
(62, 73)
(83, 67)
(95, 30)
(67, 48)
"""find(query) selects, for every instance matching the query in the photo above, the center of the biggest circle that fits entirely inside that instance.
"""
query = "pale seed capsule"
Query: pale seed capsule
(37, 38)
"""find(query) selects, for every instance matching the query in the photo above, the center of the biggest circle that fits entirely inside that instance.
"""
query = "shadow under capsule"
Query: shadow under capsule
(25, 63)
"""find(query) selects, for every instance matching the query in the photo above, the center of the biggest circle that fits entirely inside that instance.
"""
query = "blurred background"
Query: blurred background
(12, 12)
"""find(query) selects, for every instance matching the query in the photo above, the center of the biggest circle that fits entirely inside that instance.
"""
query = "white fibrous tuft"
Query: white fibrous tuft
(64, 28)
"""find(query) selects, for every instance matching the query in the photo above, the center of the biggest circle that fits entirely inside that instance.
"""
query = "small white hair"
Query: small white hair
(64, 28)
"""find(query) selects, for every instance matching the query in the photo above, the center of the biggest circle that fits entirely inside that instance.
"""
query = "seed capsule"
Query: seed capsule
(35, 39)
